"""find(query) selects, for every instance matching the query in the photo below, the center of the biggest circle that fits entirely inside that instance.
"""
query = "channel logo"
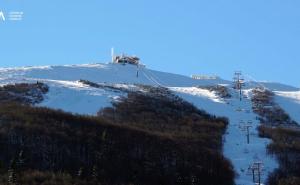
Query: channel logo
(11, 16)
(15, 16)
(2, 17)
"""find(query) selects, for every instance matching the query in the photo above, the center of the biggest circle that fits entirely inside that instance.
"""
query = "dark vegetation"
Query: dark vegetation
(270, 113)
(221, 91)
(286, 146)
(285, 135)
(34, 177)
(23, 93)
(162, 112)
(147, 138)
(106, 86)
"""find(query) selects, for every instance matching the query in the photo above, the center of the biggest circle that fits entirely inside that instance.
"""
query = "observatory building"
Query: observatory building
(125, 59)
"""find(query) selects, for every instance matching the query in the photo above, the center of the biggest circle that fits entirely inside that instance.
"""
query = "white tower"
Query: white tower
(112, 55)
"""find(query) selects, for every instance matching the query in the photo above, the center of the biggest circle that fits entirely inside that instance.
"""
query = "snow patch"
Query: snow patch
(195, 91)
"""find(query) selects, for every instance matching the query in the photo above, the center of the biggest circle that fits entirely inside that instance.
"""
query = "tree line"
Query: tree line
(277, 125)
(144, 139)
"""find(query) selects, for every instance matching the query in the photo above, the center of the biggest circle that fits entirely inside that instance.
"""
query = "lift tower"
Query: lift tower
(238, 82)
(256, 169)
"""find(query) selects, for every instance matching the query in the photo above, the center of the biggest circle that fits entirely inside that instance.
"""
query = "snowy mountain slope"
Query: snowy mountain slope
(272, 86)
(111, 73)
(63, 96)
(290, 102)
(117, 73)
(76, 97)
(70, 96)
(67, 93)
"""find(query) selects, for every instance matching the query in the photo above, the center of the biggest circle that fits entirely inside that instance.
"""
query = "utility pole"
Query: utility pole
(238, 82)
(256, 169)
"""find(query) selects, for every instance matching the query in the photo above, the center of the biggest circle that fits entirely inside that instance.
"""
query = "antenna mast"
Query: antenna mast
(112, 55)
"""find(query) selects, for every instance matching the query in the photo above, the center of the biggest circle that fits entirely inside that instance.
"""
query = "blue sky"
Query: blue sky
(259, 37)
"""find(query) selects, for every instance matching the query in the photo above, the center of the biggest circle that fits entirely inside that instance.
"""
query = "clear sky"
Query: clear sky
(259, 37)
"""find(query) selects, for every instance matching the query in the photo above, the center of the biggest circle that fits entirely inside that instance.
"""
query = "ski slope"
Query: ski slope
(77, 98)
(68, 94)
(241, 154)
